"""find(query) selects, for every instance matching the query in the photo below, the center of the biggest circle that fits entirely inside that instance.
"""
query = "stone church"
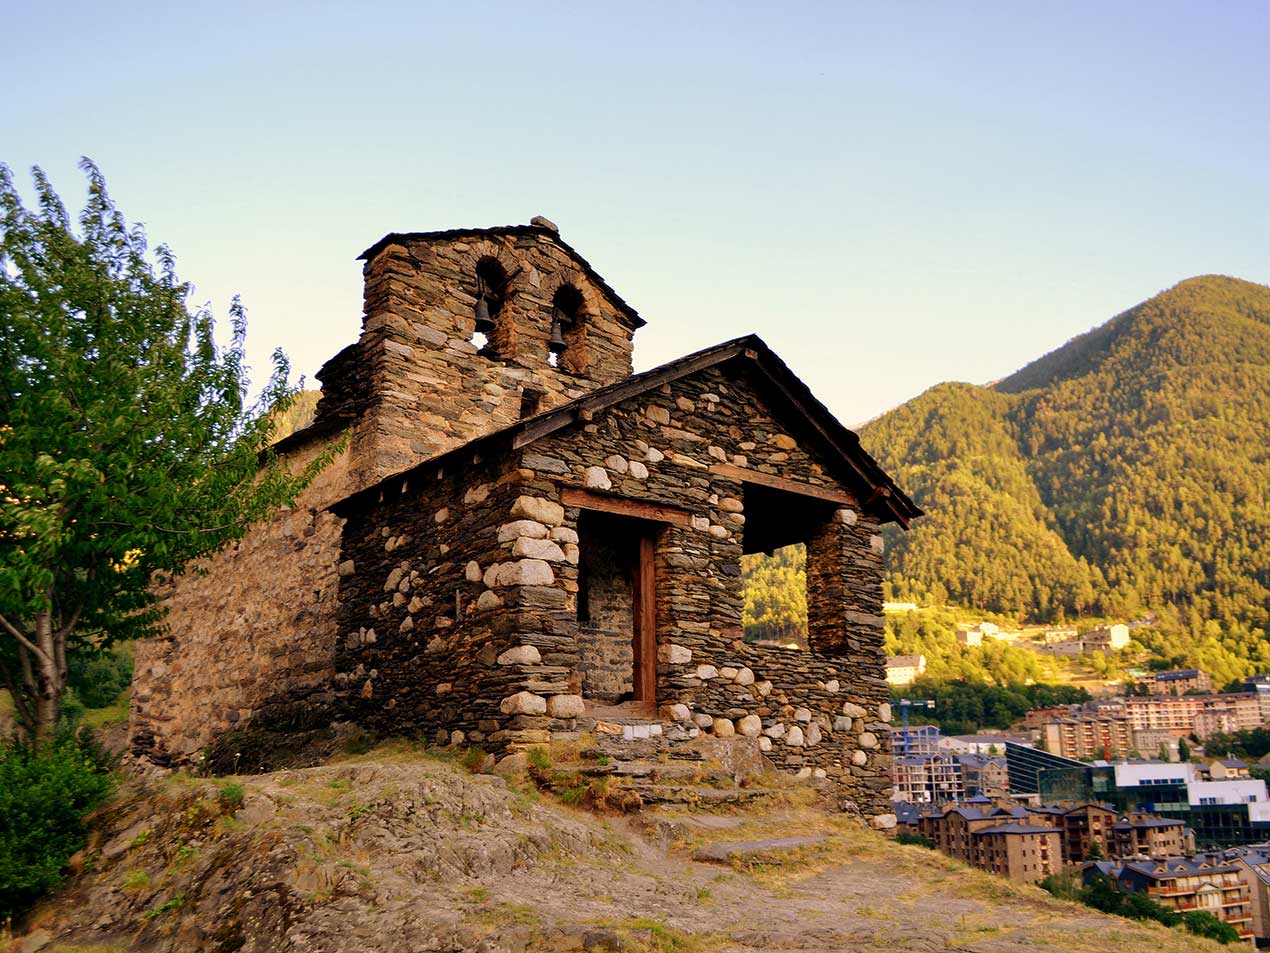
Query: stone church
(521, 538)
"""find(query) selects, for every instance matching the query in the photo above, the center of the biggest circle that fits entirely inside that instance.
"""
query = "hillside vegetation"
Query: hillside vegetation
(1126, 471)
(398, 850)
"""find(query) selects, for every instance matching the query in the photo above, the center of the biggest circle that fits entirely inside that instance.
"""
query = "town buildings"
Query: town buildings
(995, 840)
(987, 743)
(520, 538)
(930, 770)
(1118, 727)
(1222, 813)
(916, 740)
(985, 775)
(1006, 838)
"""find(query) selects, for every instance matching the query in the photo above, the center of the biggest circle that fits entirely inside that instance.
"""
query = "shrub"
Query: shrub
(231, 795)
(474, 760)
(44, 794)
(917, 840)
(1203, 923)
(1065, 886)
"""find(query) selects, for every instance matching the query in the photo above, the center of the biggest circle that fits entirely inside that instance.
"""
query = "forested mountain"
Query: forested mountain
(1125, 471)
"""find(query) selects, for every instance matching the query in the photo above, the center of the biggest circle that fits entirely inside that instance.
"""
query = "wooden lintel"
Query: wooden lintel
(625, 506)
(746, 475)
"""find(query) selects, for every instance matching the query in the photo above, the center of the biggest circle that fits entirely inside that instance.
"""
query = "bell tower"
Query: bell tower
(466, 331)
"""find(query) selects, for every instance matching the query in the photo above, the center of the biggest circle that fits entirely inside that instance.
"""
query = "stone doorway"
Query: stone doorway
(617, 638)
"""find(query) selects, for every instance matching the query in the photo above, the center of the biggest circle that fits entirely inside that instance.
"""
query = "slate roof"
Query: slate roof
(904, 661)
(878, 491)
(1176, 867)
(1125, 825)
(452, 233)
(1018, 829)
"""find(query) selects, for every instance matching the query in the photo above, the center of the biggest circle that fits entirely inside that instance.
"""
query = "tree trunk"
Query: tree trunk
(50, 679)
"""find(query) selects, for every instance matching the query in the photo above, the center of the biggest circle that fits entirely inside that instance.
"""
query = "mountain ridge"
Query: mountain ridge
(1122, 471)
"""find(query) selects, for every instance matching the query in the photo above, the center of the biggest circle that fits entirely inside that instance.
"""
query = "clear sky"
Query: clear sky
(891, 194)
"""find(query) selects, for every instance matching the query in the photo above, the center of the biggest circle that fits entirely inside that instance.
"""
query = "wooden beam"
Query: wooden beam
(645, 687)
(624, 506)
(780, 483)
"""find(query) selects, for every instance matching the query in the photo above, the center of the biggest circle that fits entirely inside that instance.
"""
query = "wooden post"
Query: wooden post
(646, 620)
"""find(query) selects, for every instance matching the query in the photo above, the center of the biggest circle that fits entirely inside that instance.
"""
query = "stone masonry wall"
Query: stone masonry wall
(250, 629)
(459, 612)
(824, 712)
(448, 614)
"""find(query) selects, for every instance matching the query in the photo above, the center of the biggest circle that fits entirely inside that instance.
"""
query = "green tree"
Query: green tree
(1203, 923)
(1183, 750)
(128, 445)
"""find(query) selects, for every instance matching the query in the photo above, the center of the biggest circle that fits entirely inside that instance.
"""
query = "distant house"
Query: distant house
(1108, 638)
(905, 669)
(1226, 769)
(972, 635)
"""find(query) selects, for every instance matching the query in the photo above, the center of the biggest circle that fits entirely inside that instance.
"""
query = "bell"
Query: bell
(556, 343)
(484, 323)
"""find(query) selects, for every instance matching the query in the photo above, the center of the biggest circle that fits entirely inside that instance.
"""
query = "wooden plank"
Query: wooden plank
(781, 483)
(624, 506)
(646, 622)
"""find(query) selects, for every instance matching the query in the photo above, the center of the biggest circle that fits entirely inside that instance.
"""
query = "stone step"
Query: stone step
(767, 851)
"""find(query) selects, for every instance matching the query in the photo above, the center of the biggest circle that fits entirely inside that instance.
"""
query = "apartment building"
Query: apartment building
(998, 840)
(1023, 852)
(1088, 736)
(1179, 682)
(916, 740)
(1186, 885)
(1148, 836)
(985, 775)
(927, 779)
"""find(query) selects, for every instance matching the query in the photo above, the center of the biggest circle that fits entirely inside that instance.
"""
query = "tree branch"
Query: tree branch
(24, 641)
(65, 630)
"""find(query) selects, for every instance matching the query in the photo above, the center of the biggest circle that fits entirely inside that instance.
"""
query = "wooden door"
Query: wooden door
(645, 592)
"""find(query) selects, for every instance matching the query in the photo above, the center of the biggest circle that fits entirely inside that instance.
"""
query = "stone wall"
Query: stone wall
(249, 630)
(508, 667)
(252, 631)
(823, 711)
(437, 632)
